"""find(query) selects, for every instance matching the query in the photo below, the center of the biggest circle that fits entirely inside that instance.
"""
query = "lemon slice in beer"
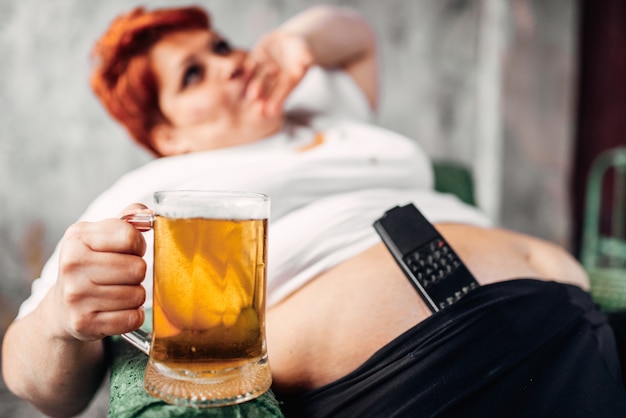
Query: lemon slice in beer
(204, 276)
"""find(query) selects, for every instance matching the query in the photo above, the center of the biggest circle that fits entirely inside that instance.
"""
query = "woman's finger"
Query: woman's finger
(262, 81)
(110, 299)
(115, 269)
(110, 235)
(135, 208)
(97, 325)
(279, 93)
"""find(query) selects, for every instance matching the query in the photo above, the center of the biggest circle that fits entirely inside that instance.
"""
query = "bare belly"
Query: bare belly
(336, 322)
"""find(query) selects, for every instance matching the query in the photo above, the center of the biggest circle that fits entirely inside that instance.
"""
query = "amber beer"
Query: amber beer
(209, 279)
(208, 334)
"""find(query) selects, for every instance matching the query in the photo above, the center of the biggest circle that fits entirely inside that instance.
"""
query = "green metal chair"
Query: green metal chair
(603, 253)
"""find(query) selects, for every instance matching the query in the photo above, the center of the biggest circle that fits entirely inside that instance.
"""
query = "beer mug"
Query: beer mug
(207, 346)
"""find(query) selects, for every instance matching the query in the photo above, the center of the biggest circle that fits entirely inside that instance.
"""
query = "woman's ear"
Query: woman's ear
(167, 141)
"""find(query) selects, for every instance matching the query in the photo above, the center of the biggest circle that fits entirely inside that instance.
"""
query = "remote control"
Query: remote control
(428, 261)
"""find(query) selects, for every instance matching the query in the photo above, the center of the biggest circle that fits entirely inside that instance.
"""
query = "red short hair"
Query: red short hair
(122, 78)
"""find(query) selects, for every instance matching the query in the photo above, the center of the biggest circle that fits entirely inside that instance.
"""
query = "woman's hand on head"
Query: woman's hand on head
(277, 64)
(98, 291)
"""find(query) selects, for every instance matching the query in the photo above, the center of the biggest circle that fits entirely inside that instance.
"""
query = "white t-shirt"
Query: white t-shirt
(328, 182)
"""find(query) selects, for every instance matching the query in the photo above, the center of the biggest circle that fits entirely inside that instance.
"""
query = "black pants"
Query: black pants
(523, 348)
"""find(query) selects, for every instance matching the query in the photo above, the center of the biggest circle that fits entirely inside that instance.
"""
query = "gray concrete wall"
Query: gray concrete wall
(538, 110)
(58, 148)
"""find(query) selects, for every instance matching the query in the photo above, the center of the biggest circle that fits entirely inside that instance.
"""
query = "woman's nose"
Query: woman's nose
(228, 67)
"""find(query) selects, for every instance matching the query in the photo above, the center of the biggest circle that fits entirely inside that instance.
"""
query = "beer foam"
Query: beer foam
(213, 205)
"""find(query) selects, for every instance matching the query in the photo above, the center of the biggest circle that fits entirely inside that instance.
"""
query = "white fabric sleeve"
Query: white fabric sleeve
(330, 92)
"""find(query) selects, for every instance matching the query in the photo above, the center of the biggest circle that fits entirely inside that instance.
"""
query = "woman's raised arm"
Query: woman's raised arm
(323, 35)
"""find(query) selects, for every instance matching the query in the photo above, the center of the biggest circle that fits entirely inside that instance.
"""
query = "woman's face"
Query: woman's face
(202, 93)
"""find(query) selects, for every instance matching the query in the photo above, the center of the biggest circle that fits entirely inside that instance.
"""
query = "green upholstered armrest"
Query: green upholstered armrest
(454, 178)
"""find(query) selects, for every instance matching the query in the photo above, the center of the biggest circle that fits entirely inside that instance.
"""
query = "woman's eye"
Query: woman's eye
(222, 47)
(192, 75)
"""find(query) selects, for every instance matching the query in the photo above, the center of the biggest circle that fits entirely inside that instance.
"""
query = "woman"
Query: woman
(289, 119)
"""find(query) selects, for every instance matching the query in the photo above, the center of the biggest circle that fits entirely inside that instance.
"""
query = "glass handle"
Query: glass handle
(139, 338)
(142, 221)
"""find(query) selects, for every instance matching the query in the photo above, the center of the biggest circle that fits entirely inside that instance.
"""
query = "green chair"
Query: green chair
(455, 178)
(603, 253)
